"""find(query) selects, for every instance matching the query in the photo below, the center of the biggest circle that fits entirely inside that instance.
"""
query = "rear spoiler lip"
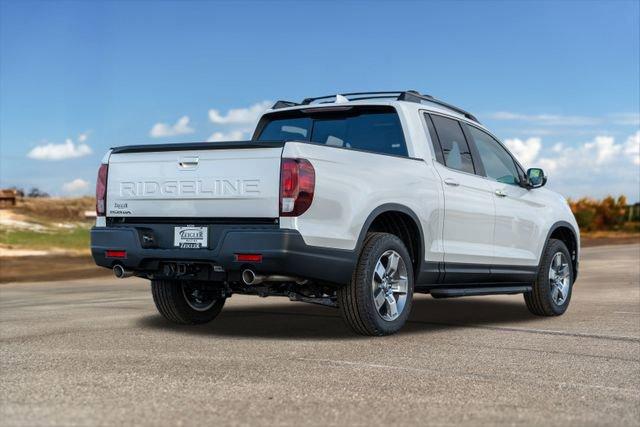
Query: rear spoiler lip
(185, 146)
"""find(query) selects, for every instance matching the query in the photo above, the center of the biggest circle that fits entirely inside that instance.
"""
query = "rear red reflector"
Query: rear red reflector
(115, 254)
(249, 257)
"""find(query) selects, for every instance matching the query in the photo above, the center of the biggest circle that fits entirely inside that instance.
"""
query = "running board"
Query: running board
(473, 291)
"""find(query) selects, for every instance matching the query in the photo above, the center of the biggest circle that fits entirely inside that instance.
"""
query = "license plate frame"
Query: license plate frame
(190, 237)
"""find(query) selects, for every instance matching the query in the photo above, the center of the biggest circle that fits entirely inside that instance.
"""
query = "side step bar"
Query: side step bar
(464, 292)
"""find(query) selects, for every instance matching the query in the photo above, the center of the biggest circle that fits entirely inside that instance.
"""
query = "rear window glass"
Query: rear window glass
(287, 130)
(371, 129)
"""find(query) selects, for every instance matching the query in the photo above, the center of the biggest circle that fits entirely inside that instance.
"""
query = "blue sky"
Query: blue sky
(558, 81)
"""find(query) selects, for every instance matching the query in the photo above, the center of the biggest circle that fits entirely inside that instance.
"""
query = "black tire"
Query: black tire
(356, 300)
(170, 297)
(540, 300)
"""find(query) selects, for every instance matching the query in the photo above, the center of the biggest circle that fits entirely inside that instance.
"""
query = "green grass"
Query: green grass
(69, 239)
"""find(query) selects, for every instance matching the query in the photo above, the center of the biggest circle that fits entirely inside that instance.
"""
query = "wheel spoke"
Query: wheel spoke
(401, 285)
(379, 271)
(564, 271)
(392, 263)
(561, 295)
(392, 308)
(555, 292)
(565, 290)
(379, 299)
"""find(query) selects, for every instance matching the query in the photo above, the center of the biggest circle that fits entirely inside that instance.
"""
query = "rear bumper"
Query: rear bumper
(283, 252)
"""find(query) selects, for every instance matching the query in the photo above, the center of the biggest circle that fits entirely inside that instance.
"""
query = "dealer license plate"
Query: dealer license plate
(190, 237)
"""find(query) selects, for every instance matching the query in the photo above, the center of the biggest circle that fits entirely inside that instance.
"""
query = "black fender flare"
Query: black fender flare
(393, 207)
(576, 238)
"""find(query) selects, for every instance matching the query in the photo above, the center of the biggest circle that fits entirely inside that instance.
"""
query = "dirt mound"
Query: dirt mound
(55, 209)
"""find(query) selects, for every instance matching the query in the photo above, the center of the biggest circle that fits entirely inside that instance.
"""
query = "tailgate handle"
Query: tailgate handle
(189, 162)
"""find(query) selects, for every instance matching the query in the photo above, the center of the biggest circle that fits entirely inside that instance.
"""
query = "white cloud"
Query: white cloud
(181, 127)
(594, 168)
(76, 186)
(585, 132)
(604, 148)
(238, 122)
(234, 135)
(525, 151)
(547, 119)
(246, 116)
(603, 151)
(632, 148)
(559, 120)
(66, 150)
(83, 137)
(632, 119)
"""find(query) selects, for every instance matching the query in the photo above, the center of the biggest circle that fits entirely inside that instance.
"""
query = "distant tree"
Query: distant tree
(633, 212)
(606, 214)
(36, 192)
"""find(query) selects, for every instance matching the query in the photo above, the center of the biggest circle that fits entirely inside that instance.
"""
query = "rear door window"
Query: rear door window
(455, 150)
(375, 129)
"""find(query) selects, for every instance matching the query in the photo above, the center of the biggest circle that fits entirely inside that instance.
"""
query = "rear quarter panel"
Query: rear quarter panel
(351, 184)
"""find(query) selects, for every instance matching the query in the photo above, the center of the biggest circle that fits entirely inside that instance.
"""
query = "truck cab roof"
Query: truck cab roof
(399, 99)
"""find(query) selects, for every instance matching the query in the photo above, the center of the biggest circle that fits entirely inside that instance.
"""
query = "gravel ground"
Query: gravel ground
(95, 352)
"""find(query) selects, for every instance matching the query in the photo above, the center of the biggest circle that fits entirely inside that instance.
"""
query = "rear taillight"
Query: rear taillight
(101, 190)
(297, 184)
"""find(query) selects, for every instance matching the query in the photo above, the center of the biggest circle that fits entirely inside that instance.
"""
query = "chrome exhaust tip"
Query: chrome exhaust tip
(120, 272)
(249, 277)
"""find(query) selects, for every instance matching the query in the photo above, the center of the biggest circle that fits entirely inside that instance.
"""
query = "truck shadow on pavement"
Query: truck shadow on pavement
(289, 320)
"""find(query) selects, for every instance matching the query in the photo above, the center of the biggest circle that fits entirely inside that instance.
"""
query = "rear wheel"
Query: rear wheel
(185, 302)
(378, 299)
(551, 293)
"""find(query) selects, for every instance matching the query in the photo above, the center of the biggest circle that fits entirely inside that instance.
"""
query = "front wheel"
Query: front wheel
(551, 292)
(378, 299)
(186, 302)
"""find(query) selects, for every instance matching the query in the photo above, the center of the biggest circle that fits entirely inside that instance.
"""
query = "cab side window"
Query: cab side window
(435, 143)
(455, 150)
(498, 163)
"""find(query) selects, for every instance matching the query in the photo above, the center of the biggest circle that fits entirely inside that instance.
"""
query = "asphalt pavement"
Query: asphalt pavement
(95, 352)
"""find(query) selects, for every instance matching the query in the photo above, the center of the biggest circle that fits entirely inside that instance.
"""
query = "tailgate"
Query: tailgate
(223, 183)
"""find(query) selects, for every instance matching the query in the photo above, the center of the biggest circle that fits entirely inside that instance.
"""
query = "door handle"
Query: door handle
(452, 182)
(500, 193)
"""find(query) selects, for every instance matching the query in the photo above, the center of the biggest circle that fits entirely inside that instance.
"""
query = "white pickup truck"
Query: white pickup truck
(354, 201)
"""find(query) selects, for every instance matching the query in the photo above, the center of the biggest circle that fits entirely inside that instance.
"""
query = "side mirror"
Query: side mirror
(536, 177)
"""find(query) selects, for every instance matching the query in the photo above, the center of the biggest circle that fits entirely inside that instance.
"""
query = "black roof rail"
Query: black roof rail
(400, 95)
(431, 99)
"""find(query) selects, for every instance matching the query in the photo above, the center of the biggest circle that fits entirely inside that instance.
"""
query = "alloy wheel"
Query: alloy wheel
(389, 285)
(559, 278)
